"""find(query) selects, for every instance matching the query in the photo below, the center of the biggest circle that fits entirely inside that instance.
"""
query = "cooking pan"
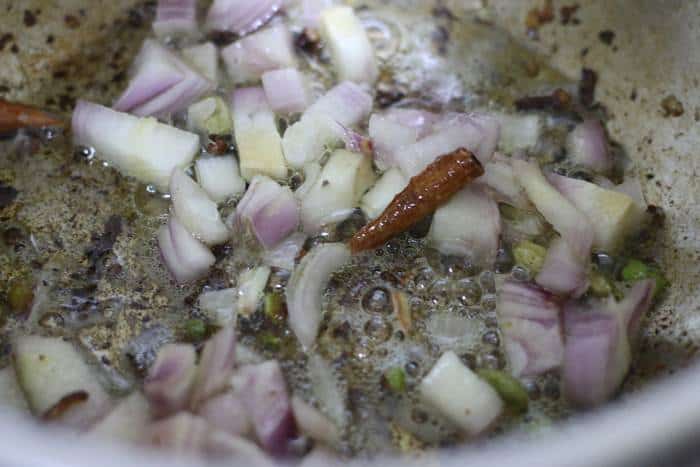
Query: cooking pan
(644, 54)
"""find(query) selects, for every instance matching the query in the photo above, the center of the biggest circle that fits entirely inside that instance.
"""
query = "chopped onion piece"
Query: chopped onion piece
(571, 224)
(259, 143)
(210, 116)
(312, 171)
(236, 450)
(175, 17)
(307, 13)
(251, 285)
(196, 211)
(306, 287)
(264, 394)
(632, 187)
(382, 194)
(469, 225)
(588, 147)
(205, 59)
(501, 183)
(49, 369)
(169, 381)
(475, 132)
(182, 433)
(614, 216)
(270, 49)
(324, 122)
(241, 16)
(529, 320)
(518, 132)
(215, 366)
(563, 273)
(460, 395)
(635, 305)
(337, 191)
(285, 90)
(186, 257)
(226, 412)
(284, 255)
(397, 128)
(219, 177)
(142, 148)
(127, 421)
(220, 306)
(350, 48)
(328, 390)
(313, 423)
(270, 211)
(141, 97)
(11, 396)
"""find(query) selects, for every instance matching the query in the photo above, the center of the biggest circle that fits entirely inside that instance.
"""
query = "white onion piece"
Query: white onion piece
(323, 123)
(396, 128)
(241, 16)
(460, 395)
(343, 181)
(264, 394)
(175, 17)
(174, 98)
(11, 395)
(259, 142)
(635, 305)
(469, 225)
(235, 450)
(269, 210)
(313, 423)
(220, 306)
(312, 171)
(588, 147)
(328, 390)
(351, 51)
(126, 422)
(226, 412)
(285, 90)
(142, 148)
(571, 224)
(186, 258)
(501, 183)
(382, 194)
(197, 212)
(182, 433)
(219, 177)
(215, 366)
(49, 369)
(529, 320)
(270, 49)
(563, 273)
(210, 116)
(614, 216)
(476, 132)
(169, 381)
(306, 286)
(518, 132)
(251, 285)
(284, 255)
(205, 59)
(307, 13)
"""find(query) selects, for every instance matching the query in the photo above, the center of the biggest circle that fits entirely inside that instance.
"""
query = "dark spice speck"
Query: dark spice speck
(672, 107)
(71, 21)
(7, 195)
(606, 37)
(29, 18)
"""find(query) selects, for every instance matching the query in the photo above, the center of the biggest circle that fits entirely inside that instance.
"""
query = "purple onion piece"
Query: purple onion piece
(588, 147)
(175, 17)
(285, 90)
(215, 366)
(169, 381)
(563, 273)
(226, 412)
(264, 394)
(529, 320)
(182, 433)
(241, 16)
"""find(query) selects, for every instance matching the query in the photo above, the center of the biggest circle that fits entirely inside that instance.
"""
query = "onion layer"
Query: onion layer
(469, 225)
(205, 59)
(306, 286)
(563, 273)
(185, 257)
(219, 177)
(588, 147)
(215, 366)
(142, 148)
(529, 320)
(175, 17)
(270, 49)
(241, 16)
(285, 90)
(169, 381)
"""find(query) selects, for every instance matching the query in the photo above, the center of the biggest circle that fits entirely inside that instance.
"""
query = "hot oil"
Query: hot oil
(430, 58)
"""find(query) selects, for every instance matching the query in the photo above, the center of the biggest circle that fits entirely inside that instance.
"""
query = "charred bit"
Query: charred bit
(66, 403)
(559, 100)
